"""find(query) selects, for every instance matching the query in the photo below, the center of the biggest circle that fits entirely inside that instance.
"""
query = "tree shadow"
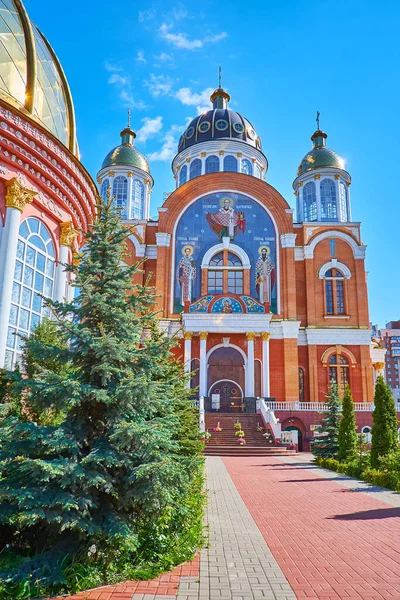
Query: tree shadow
(367, 515)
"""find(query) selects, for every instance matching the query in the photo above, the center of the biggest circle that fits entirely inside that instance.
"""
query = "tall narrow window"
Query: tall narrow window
(225, 274)
(120, 194)
(195, 168)
(334, 292)
(301, 384)
(137, 206)
(247, 167)
(183, 175)
(343, 202)
(257, 171)
(309, 202)
(339, 371)
(328, 200)
(212, 164)
(33, 280)
(230, 163)
(104, 187)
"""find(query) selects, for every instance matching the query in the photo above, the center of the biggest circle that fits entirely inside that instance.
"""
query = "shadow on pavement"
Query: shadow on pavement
(366, 515)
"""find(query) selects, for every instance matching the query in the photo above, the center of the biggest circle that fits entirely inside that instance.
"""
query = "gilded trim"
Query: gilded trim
(17, 196)
(68, 234)
(30, 87)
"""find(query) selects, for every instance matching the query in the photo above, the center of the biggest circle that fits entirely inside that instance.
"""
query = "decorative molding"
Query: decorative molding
(378, 366)
(188, 335)
(226, 323)
(317, 176)
(337, 349)
(225, 341)
(345, 336)
(18, 196)
(203, 335)
(220, 247)
(163, 239)
(68, 234)
(111, 173)
(334, 264)
(288, 240)
(289, 211)
(130, 174)
(358, 251)
(151, 251)
(265, 336)
(251, 336)
(284, 329)
(299, 253)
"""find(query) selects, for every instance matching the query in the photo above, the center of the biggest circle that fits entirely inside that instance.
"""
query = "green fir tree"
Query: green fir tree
(122, 471)
(385, 424)
(326, 444)
(347, 437)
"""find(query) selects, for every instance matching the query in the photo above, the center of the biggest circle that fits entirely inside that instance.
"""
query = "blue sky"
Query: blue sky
(281, 61)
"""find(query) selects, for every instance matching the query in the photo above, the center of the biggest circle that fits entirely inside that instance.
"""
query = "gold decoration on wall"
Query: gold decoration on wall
(188, 160)
(265, 336)
(239, 154)
(348, 183)
(203, 154)
(188, 335)
(17, 196)
(337, 176)
(378, 366)
(221, 152)
(68, 234)
(147, 181)
(99, 180)
(203, 335)
(251, 336)
(111, 173)
(317, 176)
(130, 173)
(300, 184)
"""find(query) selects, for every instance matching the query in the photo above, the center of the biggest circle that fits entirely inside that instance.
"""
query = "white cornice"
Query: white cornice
(284, 329)
(163, 239)
(358, 251)
(226, 323)
(288, 240)
(333, 336)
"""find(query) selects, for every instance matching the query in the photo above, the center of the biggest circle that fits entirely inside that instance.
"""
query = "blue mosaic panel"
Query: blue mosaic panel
(201, 306)
(252, 305)
(227, 305)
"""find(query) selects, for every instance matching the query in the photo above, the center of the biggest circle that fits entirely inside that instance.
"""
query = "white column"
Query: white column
(16, 198)
(317, 179)
(203, 364)
(188, 355)
(265, 361)
(129, 203)
(68, 236)
(250, 365)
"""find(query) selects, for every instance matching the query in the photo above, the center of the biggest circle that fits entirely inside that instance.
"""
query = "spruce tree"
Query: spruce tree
(125, 457)
(326, 444)
(347, 437)
(384, 429)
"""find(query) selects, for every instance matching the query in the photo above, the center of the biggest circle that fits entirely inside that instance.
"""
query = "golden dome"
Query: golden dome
(31, 77)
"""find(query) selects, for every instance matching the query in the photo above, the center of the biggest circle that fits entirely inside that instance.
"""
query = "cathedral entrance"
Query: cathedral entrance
(230, 393)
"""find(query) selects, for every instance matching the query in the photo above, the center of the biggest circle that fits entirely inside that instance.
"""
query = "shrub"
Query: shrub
(347, 436)
(326, 445)
(384, 429)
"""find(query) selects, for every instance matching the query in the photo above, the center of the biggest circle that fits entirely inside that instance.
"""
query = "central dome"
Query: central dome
(31, 76)
(220, 122)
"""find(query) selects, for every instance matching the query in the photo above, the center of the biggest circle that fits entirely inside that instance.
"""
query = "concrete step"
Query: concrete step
(246, 451)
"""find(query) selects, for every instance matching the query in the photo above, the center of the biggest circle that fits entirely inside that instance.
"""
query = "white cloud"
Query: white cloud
(181, 40)
(159, 85)
(164, 57)
(170, 145)
(149, 128)
(200, 100)
(118, 79)
(147, 15)
(140, 57)
(112, 66)
(123, 86)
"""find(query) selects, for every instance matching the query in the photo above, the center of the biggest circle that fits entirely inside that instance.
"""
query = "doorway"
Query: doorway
(230, 393)
(293, 428)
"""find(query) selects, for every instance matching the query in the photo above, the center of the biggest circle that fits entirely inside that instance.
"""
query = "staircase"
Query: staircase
(224, 443)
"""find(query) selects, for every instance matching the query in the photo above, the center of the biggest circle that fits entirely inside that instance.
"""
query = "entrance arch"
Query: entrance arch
(295, 424)
(226, 367)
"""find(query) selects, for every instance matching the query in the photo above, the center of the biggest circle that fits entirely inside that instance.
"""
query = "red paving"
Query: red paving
(330, 542)
(166, 584)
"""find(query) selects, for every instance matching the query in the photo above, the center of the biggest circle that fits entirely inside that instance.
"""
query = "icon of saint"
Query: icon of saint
(227, 307)
(186, 274)
(226, 222)
(265, 275)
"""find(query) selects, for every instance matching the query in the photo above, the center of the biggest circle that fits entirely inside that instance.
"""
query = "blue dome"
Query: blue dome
(220, 122)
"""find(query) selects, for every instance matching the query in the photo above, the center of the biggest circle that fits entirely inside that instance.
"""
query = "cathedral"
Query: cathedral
(266, 302)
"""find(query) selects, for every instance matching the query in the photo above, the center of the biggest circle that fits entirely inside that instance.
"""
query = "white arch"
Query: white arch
(227, 346)
(334, 264)
(232, 248)
(140, 248)
(231, 380)
(358, 251)
(274, 223)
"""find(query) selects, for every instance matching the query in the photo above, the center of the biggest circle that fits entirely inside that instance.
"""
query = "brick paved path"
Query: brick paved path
(331, 540)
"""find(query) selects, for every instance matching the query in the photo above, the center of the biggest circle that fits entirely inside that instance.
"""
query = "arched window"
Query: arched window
(33, 277)
(212, 164)
(120, 193)
(247, 167)
(195, 168)
(225, 274)
(230, 163)
(309, 202)
(343, 202)
(334, 292)
(301, 384)
(104, 188)
(257, 171)
(339, 371)
(183, 175)
(367, 432)
(328, 200)
(137, 205)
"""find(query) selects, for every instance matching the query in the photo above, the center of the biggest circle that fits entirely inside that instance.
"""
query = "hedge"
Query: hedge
(386, 479)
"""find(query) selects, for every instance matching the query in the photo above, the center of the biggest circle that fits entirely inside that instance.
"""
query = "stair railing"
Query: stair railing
(202, 413)
(268, 416)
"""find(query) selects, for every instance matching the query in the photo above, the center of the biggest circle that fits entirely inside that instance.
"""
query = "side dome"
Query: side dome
(220, 122)
(32, 78)
(320, 156)
(126, 154)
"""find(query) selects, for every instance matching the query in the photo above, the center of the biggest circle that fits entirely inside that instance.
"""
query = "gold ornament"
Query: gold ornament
(130, 173)
(17, 196)
(188, 335)
(239, 154)
(111, 173)
(203, 335)
(265, 336)
(337, 176)
(378, 366)
(300, 184)
(221, 152)
(251, 336)
(318, 176)
(203, 154)
(68, 234)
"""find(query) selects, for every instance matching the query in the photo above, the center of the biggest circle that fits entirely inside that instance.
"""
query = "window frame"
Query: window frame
(227, 257)
(335, 293)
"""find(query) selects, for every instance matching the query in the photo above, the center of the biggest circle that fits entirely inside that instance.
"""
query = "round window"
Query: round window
(181, 141)
(221, 124)
(204, 126)
(189, 133)
(251, 133)
(238, 127)
(258, 143)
